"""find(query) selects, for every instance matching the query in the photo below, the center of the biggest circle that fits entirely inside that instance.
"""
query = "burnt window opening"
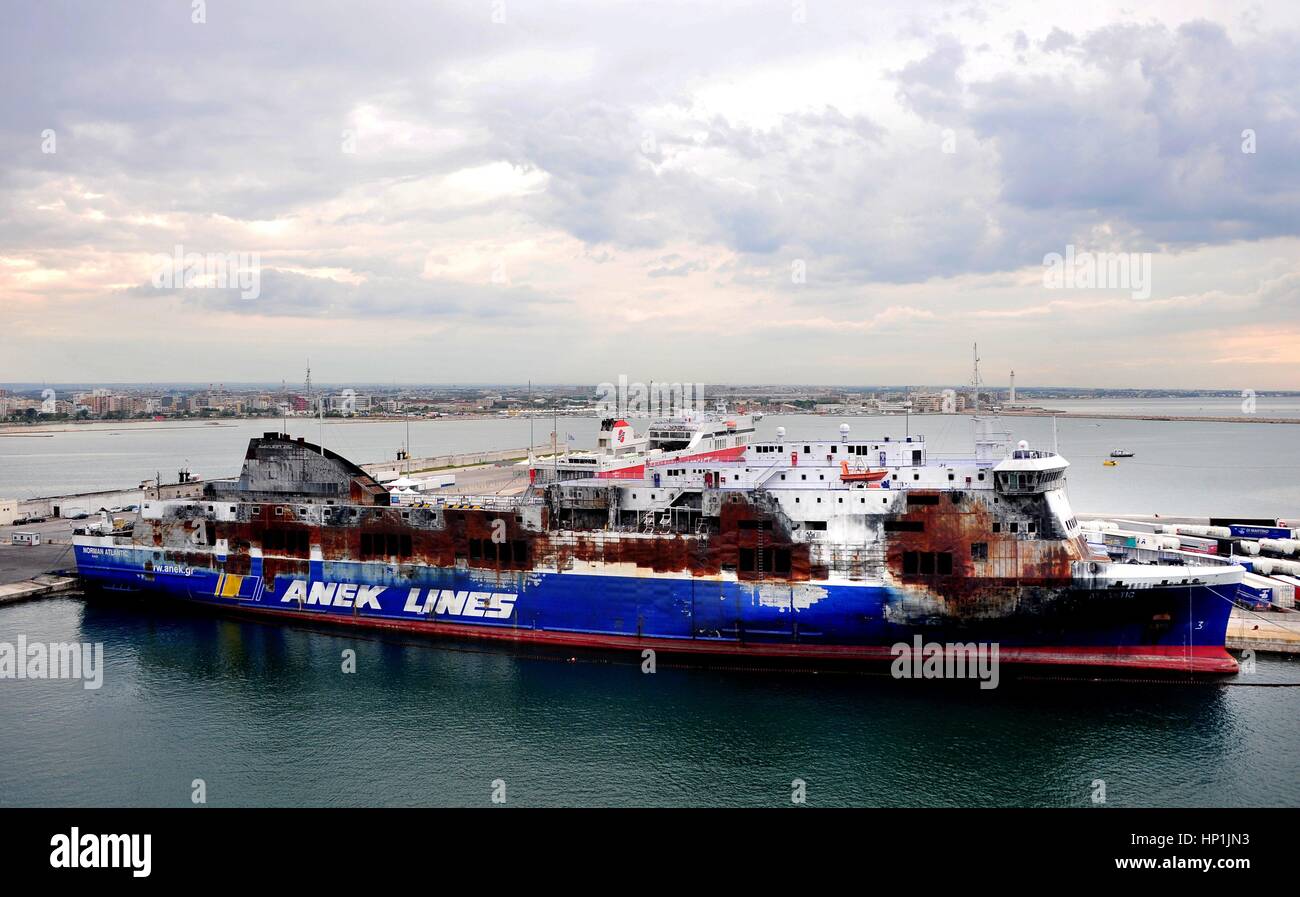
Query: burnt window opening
(385, 545)
(927, 563)
(755, 524)
(514, 552)
(904, 526)
(768, 560)
(288, 541)
(815, 524)
(979, 551)
(922, 499)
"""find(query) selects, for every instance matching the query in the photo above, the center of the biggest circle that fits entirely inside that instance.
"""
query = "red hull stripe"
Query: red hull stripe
(1197, 659)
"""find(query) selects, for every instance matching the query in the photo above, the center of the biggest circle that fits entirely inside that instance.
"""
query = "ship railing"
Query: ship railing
(485, 502)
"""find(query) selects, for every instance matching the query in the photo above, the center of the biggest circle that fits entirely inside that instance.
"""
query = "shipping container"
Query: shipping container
(1284, 590)
(1255, 592)
(1199, 545)
(26, 538)
(1259, 532)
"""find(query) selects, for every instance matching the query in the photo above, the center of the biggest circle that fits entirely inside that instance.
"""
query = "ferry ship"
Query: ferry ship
(805, 552)
(621, 454)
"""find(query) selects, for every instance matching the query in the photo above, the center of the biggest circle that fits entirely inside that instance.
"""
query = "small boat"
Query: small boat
(1109, 463)
(1120, 453)
(860, 476)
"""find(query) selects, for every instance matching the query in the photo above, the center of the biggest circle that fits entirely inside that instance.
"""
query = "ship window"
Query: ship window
(834, 449)
(747, 562)
(997, 526)
(981, 477)
(815, 524)
(783, 476)
(475, 549)
(1015, 527)
(807, 450)
(979, 551)
(927, 563)
(1033, 527)
(922, 500)
(520, 550)
(904, 526)
(782, 564)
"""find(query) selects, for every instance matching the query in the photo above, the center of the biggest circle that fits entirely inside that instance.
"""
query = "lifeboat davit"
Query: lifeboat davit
(861, 476)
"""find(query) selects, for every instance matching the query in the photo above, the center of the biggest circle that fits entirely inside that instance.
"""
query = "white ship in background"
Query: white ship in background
(620, 453)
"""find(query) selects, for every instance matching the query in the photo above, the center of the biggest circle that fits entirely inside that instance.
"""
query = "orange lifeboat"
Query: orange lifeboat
(861, 476)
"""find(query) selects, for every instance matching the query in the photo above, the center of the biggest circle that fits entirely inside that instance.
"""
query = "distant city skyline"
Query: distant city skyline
(811, 193)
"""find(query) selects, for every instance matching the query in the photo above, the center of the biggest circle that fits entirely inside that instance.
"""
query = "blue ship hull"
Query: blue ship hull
(1177, 628)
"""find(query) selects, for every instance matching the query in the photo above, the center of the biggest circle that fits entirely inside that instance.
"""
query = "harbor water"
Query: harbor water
(265, 715)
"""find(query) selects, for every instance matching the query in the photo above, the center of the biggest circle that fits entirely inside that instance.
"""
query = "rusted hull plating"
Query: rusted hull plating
(1175, 629)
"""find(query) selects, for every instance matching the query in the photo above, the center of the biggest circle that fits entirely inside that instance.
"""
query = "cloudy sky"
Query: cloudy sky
(717, 192)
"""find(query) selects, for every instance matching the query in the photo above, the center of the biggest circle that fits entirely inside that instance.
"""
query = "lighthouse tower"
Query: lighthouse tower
(1011, 393)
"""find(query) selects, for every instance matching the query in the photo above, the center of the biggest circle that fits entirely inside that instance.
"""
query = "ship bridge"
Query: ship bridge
(1027, 471)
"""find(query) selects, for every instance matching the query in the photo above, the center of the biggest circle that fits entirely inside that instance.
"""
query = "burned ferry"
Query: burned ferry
(799, 552)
